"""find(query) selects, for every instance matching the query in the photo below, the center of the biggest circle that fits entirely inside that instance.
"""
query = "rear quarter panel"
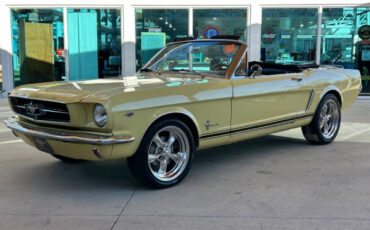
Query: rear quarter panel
(345, 81)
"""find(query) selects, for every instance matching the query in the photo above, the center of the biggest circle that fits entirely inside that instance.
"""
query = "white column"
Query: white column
(66, 56)
(255, 32)
(128, 41)
(190, 22)
(318, 39)
(6, 50)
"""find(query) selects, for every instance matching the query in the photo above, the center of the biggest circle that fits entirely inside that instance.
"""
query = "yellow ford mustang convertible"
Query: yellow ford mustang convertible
(193, 94)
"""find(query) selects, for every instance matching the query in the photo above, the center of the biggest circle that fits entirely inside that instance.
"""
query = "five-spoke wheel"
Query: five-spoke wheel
(325, 125)
(329, 117)
(165, 154)
(168, 153)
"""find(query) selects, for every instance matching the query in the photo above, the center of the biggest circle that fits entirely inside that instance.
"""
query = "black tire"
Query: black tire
(141, 164)
(67, 159)
(315, 132)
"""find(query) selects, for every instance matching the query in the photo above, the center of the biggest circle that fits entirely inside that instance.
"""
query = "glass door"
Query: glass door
(38, 45)
(94, 43)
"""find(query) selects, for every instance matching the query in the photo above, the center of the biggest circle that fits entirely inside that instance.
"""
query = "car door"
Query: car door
(265, 99)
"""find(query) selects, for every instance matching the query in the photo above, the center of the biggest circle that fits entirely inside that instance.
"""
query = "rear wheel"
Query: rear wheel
(326, 123)
(165, 154)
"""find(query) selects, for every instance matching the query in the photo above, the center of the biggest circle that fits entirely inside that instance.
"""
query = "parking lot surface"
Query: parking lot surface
(274, 182)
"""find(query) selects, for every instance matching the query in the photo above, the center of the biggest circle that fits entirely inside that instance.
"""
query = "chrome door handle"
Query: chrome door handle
(297, 78)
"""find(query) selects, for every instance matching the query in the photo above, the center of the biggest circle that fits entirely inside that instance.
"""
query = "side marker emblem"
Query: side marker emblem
(208, 125)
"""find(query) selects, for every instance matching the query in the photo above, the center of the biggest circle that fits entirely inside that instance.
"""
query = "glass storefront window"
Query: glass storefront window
(211, 22)
(289, 35)
(38, 45)
(341, 42)
(94, 43)
(155, 28)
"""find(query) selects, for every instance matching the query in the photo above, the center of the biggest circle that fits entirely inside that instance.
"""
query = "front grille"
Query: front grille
(40, 110)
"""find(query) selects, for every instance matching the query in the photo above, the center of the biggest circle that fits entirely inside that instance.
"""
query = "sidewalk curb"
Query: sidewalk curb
(363, 98)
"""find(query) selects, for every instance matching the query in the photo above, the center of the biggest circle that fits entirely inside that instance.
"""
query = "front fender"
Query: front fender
(174, 110)
(138, 124)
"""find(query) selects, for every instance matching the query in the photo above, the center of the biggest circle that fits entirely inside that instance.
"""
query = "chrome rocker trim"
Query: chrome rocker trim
(14, 125)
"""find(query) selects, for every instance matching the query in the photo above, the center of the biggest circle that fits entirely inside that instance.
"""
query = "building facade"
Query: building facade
(76, 40)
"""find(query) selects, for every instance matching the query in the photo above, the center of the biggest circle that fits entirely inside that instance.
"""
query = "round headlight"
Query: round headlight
(100, 115)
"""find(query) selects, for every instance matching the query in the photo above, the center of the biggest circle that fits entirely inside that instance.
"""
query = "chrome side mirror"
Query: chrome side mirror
(256, 70)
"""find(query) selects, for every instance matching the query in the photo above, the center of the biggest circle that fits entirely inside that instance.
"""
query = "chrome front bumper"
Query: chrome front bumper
(14, 125)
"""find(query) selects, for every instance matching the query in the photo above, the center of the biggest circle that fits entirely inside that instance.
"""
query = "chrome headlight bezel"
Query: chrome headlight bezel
(100, 115)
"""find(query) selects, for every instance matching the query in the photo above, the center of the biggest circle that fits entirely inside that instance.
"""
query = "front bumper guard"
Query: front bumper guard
(14, 125)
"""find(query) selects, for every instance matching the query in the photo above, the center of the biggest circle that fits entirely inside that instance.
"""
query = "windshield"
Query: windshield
(213, 57)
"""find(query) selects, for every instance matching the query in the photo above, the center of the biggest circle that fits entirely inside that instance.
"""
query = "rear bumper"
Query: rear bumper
(17, 127)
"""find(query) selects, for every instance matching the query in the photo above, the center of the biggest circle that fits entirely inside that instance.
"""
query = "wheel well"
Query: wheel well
(184, 118)
(336, 94)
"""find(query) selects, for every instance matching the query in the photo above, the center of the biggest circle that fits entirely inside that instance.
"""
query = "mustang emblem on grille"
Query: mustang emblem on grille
(34, 110)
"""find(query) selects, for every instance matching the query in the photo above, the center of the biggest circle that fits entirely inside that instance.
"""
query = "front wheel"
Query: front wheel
(326, 123)
(165, 154)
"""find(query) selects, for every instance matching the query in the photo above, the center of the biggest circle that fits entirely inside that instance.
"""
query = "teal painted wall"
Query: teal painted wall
(83, 45)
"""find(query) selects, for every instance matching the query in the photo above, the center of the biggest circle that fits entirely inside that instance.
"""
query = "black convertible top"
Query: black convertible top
(270, 68)
(290, 68)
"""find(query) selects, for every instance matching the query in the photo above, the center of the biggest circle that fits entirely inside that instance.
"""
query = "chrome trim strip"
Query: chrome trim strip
(37, 99)
(43, 121)
(310, 101)
(45, 110)
(256, 127)
(37, 120)
(13, 124)
(209, 40)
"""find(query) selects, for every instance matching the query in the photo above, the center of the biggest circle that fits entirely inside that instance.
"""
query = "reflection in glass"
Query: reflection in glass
(206, 57)
(94, 43)
(288, 35)
(38, 45)
(211, 22)
(341, 43)
(340, 34)
(155, 28)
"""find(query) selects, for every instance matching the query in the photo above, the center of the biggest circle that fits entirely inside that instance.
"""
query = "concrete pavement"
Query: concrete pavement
(274, 182)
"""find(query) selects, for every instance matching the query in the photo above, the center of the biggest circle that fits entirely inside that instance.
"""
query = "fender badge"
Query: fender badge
(208, 125)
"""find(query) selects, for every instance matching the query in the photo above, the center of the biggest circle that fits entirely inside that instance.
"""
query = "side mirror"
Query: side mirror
(256, 70)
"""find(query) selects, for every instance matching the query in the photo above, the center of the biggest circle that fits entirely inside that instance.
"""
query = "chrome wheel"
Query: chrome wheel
(329, 119)
(168, 153)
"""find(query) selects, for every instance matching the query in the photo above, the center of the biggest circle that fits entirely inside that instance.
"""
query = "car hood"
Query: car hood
(75, 91)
